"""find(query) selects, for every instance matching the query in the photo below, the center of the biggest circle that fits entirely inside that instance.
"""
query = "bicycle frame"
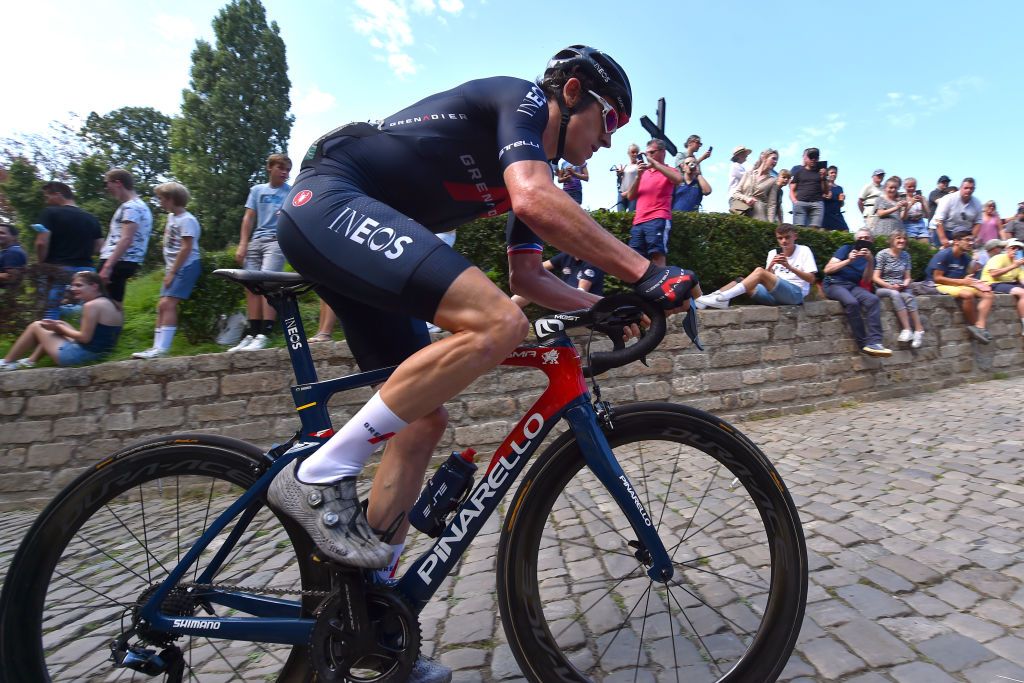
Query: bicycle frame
(280, 621)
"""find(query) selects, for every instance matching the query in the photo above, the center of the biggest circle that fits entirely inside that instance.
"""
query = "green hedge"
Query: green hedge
(717, 246)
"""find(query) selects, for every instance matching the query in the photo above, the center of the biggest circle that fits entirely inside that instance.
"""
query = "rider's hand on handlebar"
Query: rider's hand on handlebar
(667, 286)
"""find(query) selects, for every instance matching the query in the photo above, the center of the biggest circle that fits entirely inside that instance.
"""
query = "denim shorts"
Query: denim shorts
(784, 294)
(1006, 287)
(916, 229)
(184, 281)
(72, 353)
(264, 254)
(650, 237)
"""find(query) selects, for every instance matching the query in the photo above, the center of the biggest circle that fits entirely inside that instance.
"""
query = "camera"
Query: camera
(641, 158)
(863, 244)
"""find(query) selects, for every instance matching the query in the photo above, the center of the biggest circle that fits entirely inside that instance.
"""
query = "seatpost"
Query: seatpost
(286, 303)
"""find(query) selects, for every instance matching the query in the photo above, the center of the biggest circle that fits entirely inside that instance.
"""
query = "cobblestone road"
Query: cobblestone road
(914, 515)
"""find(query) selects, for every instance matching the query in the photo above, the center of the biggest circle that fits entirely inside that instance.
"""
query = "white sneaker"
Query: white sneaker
(23, 364)
(5, 366)
(918, 340)
(149, 353)
(242, 345)
(713, 300)
(905, 336)
(258, 342)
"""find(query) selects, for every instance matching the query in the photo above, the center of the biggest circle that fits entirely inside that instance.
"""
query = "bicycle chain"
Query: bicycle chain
(254, 590)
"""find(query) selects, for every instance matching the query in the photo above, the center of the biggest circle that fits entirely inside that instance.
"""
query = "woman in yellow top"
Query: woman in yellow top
(1005, 274)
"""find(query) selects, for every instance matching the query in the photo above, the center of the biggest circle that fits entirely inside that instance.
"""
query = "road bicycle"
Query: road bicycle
(647, 542)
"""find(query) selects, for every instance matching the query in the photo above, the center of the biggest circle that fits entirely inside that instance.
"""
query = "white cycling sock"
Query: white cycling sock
(164, 343)
(389, 571)
(733, 292)
(345, 453)
(158, 334)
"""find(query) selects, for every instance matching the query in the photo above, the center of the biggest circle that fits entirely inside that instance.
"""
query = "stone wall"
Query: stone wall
(759, 362)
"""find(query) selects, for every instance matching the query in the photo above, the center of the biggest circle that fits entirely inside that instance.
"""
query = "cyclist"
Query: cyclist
(354, 227)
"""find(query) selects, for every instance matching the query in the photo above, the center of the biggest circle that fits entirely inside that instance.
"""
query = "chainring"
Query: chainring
(388, 650)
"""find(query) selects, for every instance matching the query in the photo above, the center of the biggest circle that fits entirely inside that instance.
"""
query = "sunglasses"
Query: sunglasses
(608, 113)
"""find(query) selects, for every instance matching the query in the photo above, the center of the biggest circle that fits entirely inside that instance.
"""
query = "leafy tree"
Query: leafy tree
(133, 138)
(51, 153)
(90, 190)
(233, 116)
(23, 191)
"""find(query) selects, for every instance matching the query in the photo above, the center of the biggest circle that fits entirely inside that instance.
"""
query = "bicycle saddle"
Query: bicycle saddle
(261, 281)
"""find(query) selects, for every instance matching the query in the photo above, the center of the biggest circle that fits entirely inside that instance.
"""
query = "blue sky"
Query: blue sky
(917, 88)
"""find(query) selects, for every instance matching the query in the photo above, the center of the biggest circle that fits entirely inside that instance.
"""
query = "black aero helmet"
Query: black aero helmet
(597, 71)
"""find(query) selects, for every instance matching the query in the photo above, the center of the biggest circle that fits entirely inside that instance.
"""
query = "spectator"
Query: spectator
(1014, 227)
(850, 266)
(258, 248)
(101, 325)
(807, 190)
(785, 279)
(736, 171)
(892, 280)
(958, 210)
(572, 271)
(689, 194)
(942, 188)
(950, 269)
(990, 249)
(181, 263)
(125, 248)
(572, 178)
(868, 194)
(915, 217)
(834, 200)
(988, 229)
(625, 175)
(70, 239)
(757, 194)
(783, 179)
(1006, 276)
(13, 258)
(690, 148)
(889, 209)
(652, 191)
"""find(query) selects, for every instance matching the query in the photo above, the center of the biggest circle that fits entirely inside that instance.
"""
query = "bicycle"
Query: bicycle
(647, 542)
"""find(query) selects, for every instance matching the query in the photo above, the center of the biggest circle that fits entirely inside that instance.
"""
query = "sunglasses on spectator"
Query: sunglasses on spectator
(608, 113)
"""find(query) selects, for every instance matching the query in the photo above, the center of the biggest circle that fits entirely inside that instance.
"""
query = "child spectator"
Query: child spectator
(101, 325)
(1005, 274)
(892, 280)
(181, 262)
(785, 279)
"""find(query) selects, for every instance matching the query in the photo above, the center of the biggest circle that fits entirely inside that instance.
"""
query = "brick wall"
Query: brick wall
(759, 362)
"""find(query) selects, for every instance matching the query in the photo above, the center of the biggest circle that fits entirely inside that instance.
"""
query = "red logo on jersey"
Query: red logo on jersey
(496, 198)
(302, 197)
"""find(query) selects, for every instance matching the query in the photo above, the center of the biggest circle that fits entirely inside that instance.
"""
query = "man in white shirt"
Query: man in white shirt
(869, 194)
(739, 157)
(960, 209)
(785, 279)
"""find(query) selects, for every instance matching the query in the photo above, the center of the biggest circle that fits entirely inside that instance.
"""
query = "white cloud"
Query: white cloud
(389, 28)
(905, 110)
(175, 29)
(312, 101)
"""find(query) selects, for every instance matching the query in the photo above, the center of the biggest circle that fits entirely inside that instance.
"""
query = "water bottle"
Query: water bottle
(443, 493)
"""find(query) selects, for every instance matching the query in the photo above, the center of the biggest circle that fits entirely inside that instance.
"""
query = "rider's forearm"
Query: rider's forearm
(548, 291)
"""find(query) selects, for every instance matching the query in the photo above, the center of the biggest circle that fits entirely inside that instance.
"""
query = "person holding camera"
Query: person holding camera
(892, 279)
(846, 273)
(807, 190)
(951, 269)
(1013, 228)
(915, 217)
(689, 194)
(625, 174)
(889, 209)
(652, 191)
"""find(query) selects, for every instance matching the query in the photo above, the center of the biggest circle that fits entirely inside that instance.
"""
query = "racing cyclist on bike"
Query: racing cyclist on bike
(361, 226)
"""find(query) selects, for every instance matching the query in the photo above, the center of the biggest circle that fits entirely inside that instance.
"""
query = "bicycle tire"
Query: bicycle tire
(114, 532)
(570, 587)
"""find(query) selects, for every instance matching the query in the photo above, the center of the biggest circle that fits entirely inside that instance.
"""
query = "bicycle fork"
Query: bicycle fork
(601, 460)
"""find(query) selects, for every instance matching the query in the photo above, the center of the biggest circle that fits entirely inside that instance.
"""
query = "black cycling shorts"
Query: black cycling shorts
(379, 270)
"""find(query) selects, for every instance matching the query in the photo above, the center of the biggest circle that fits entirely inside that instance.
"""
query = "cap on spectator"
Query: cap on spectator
(740, 150)
(943, 179)
(878, 171)
(994, 244)
(961, 232)
(1013, 242)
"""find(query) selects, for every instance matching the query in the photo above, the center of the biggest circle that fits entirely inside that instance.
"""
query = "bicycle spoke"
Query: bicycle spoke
(728, 578)
(713, 520)
(694, 630)
(206, 520)
(672, 630)
(671, 481)
(221, 655)
(142, 545)
(624, 623)
(643, 629)
(592, 606)
(716, 611)
(145, 538)
(711, 480)
(177, 515)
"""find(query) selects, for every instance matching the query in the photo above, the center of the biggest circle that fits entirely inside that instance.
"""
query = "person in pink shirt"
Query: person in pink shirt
(652, 191)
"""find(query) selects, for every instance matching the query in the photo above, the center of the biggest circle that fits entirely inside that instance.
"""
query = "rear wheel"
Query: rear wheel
(99, 549)
(575, 599)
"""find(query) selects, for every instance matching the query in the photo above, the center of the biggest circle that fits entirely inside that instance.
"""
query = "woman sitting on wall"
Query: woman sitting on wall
(100, 327)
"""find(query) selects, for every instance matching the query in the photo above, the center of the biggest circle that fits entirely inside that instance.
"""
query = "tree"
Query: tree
(90, 189)
(51, 154)
(24, 191)
(133, 138)
(233, 116)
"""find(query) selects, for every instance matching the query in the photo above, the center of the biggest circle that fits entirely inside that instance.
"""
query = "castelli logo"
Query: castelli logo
(302, 197)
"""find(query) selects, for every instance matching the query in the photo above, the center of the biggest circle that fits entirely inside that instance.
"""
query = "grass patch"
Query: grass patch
(1000, 375)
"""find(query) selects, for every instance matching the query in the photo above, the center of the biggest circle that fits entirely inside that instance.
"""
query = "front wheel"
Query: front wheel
(99, 549)
(575, 599)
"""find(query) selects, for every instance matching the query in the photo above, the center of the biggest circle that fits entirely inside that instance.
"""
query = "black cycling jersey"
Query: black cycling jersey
(360, 215)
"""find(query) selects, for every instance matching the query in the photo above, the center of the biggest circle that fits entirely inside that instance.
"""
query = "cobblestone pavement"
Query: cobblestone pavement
(914, 515)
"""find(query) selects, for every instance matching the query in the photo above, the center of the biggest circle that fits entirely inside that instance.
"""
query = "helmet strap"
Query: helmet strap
(567, 113)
